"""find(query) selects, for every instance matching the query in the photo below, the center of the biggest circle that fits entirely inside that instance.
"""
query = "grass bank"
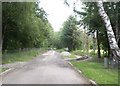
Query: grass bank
(21, 56)
(97, 72)
(0, 70)
(3, 69)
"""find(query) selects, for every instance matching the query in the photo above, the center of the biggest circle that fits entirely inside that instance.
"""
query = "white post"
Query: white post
(106, 62)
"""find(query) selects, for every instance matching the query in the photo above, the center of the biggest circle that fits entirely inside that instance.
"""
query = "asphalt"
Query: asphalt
(49, 68)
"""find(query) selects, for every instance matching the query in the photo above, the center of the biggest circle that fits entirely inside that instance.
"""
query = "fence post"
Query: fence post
(106, 62)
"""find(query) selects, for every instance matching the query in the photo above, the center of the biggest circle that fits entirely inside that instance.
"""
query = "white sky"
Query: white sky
(57, 12)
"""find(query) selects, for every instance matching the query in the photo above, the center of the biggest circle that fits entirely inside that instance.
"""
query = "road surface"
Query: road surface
(49, 68)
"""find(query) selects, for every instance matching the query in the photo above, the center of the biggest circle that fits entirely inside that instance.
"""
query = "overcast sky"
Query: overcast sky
(57, 12)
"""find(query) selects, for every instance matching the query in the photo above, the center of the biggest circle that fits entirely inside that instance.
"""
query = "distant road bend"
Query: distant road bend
(49, 68)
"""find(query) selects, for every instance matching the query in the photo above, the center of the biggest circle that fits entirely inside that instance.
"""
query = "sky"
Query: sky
(57, 12)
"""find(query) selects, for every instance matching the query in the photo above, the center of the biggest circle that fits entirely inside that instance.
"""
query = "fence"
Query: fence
(19, 50)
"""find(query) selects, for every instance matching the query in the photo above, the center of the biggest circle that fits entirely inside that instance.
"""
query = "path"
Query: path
(49, 68)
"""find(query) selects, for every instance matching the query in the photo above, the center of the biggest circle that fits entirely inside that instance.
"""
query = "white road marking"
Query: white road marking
(93, 82)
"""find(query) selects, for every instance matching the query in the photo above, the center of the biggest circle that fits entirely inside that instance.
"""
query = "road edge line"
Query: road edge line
(93, 82)
(6, 71)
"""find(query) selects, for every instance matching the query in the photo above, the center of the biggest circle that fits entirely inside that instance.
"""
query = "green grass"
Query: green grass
(91, 53)
(20, 56)
(0, 70)
(3, 69)
(79, 52)
(97, 72)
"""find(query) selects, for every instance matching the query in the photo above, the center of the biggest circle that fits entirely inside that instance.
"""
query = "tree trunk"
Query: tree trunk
(94, 42)
(87, 45)
(108, 46)
(109, 52)
(98, 44)
(111, 37)
(117, 23)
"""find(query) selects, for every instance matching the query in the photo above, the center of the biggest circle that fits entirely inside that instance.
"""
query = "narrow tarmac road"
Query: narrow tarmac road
(49, 68)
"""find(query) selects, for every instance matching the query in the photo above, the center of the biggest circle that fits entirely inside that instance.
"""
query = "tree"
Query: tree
(70, 33)
(92, 21)
(113, 11)
(111, 37)
(92, 18)
(56, 41)
(24, 25)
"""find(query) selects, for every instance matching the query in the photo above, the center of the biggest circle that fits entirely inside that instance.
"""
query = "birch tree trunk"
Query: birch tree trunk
(111, 37)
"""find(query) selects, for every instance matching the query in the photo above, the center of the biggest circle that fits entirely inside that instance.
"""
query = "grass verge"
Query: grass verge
(81, 52)
(0, 70)
(97, 72)
(21, 56)
(3, 69)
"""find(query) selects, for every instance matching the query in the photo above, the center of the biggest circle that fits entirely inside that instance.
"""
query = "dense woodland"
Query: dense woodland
(25, 25)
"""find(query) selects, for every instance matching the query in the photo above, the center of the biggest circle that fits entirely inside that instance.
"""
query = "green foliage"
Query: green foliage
(93, 22)
(97, 72)
(56, 40)
(92, 53)
(70, 33)
(25, 25)
(79, 52)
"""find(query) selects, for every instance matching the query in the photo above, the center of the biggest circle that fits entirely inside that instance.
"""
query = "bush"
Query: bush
(92, 53)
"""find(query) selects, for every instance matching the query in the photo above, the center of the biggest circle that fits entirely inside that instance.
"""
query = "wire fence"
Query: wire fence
(19, 50)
